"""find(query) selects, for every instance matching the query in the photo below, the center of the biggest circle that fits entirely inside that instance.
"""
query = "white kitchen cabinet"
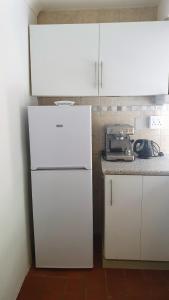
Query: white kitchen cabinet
(113, 59)
(155, 218)
(122, 217)
(134, 58)
(64, 59)
(136, 218)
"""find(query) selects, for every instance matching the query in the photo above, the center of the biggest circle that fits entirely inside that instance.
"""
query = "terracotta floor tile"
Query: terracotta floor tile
(116, 283)
(76, 274)
(117, 290)
(63, 273)
(95, 280)
(95, 284)
(74, 296)
(136, 289)
(138, 297)
(118, 274)
(135, 284)
(42, 288)
(165, 275)
(152, 276)
(74, 285)
(159, 290)
(95, 295)
(134, 274)
(161, 297)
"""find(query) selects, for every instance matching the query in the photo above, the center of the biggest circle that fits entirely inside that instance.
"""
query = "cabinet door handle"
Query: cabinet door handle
(111, 192)
(96, 75)
(101, 71)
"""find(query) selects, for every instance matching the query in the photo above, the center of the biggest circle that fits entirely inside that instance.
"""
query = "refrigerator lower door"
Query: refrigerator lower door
(63, 218)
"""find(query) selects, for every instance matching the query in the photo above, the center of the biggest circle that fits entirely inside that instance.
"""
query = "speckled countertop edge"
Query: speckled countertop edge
(158, 166)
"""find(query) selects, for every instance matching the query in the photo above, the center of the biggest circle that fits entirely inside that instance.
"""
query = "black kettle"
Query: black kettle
(146, 148)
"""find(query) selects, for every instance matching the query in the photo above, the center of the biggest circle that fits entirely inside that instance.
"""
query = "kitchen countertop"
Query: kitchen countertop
(153, 166)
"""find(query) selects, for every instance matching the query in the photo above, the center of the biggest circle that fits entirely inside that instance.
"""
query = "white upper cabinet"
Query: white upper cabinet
(134, 58)
(122, 59)
(64, 59)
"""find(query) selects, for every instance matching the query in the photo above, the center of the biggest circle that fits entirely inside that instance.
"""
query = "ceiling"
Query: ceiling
(38, 5)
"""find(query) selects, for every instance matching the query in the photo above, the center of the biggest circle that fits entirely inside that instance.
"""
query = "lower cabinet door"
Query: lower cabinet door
(155, 218)
(122, 228)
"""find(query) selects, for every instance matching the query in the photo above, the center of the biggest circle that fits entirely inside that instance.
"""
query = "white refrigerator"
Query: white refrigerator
(61, 172)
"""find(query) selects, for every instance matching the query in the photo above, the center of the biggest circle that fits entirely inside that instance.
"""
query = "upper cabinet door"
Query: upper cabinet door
(64, 59)
(134, 58)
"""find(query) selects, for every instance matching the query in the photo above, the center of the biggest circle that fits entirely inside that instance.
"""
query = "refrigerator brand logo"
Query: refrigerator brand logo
(59, 125)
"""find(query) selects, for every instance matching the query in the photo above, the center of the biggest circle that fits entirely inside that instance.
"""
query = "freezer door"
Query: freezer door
(63, 218)
(60, 137)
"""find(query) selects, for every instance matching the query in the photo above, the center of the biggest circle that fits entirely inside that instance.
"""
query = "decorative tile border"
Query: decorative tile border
(131, 108)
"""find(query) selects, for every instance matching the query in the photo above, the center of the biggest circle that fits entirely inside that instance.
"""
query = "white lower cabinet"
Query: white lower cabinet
(122, 217)
(155, 218)
(136, 218)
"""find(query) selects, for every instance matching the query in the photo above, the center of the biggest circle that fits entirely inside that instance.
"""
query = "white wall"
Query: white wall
(163, 10)
(15, 258)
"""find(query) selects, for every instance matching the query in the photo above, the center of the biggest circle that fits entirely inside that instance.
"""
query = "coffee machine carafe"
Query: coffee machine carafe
(118, 145)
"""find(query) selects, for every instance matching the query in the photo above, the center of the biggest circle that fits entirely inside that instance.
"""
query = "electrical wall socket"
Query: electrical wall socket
(156, 122)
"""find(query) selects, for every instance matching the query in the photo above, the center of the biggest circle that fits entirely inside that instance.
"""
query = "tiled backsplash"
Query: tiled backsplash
(111, 110)
(98, 15)
(131, 110)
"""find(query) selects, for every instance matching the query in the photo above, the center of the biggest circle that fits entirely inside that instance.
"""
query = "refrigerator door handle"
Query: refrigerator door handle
(59, 168)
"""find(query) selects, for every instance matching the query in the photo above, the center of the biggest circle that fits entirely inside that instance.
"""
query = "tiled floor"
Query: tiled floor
(95, 284)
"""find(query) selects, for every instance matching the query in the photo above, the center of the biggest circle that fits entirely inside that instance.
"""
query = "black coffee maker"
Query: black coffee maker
(146, 148)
